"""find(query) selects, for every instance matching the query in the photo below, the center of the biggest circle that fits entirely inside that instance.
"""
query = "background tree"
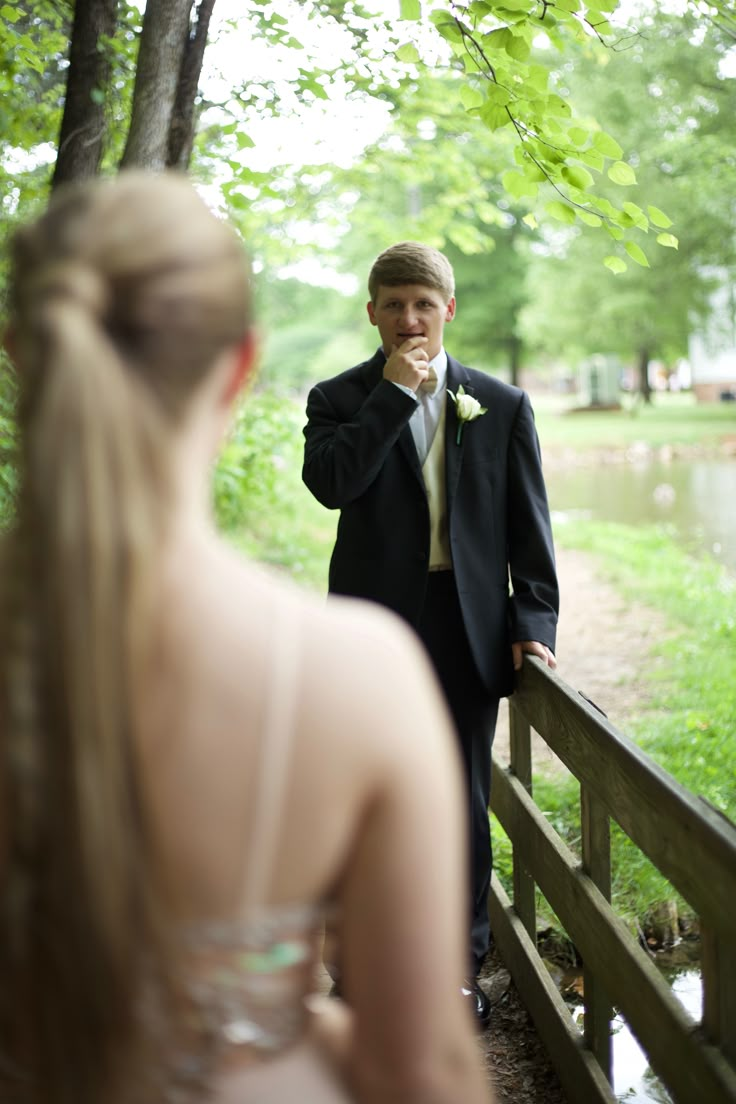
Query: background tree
(680, 137)
(81, 139)
(170, 56)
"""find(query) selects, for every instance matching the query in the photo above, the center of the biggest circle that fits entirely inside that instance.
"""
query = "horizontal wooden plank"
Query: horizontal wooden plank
(690, 843)
(580, 1075)
(693, 1072)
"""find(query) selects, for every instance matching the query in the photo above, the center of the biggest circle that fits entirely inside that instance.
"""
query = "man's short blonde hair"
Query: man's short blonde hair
(410, 262)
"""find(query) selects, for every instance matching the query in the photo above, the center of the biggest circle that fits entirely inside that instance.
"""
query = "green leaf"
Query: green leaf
(408, 52)
(12, 15)
(518, 48)
(588, 217)
(494, 117)
(578, 135)
(668, 240)
(605, 207)
(557, 106)
(244, 140)
(538, 77)
(497, 95)
(410, 9)
(517, 185)
(635, 213)
(593, 158)
(614, 231)
(446, 26)
(560, 211)
(471, 97)
(659, 218)
(567, 5)
(606, 145)
(621, 173)
(497, 39)
(531, 221)
(577, 176)
(636, 253)
(616, 264)
(316, 89)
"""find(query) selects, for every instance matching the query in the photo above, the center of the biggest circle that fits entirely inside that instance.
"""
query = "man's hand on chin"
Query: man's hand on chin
(407, 363)
(533, 647)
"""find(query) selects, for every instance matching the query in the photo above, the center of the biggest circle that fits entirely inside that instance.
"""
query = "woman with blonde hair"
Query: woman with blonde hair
(197, 762)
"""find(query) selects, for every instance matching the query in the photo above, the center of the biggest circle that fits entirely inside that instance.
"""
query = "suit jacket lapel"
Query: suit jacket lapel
(456, 376)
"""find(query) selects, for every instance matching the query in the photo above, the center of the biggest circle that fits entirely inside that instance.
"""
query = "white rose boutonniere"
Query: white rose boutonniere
(467, 409)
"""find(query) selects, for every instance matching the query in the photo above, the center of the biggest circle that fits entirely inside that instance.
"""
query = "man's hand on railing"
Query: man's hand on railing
(533, 647)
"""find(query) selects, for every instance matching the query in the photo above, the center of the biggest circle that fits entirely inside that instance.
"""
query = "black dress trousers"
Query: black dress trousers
(443, 633)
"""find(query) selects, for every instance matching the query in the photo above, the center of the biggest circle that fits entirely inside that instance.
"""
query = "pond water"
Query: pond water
(695, 499)
(633, 1080)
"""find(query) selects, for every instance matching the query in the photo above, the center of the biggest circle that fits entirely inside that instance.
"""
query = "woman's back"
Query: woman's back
(259, 771)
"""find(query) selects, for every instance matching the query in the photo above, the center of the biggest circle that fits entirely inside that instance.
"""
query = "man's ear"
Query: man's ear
(371, 313)
(242, 366)
(450, 312)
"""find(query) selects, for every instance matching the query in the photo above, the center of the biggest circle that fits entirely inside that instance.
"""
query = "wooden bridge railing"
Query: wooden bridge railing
(692, 845)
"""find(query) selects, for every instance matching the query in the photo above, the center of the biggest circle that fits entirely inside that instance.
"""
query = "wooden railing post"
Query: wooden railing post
(520, 762)
(596, 844)
(718, 965)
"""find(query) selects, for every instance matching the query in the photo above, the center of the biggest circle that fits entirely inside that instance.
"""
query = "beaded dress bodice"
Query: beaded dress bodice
(245, 986)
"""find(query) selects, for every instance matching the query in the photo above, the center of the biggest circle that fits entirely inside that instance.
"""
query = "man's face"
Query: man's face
(409, 310)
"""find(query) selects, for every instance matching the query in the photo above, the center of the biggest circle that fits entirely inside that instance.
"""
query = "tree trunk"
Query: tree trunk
(164, 40)
(644, 389)
(181, 130)
(82, 134)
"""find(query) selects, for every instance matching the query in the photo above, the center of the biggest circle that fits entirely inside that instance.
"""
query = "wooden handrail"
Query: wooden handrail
(691, 843)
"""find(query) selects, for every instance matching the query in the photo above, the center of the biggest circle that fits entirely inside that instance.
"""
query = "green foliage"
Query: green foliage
(512, 85)
(310, 332)
(260, 501)
(672, 107)
(33, 44)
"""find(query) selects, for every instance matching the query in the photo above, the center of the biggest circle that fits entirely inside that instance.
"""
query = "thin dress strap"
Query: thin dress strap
(274, 754)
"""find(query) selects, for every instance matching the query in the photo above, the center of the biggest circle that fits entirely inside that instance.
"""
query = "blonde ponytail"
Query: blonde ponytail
(117, 322)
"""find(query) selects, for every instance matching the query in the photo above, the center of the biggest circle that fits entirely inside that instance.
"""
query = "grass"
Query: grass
(671, 419)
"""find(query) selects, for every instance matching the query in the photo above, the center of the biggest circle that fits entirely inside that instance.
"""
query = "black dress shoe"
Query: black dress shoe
(479, 1002)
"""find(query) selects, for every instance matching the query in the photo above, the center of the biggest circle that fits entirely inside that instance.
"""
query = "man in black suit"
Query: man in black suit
(436, 471)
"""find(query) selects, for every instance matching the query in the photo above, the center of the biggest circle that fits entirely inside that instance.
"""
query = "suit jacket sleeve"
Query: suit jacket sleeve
(535, 598)
(348, 436)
